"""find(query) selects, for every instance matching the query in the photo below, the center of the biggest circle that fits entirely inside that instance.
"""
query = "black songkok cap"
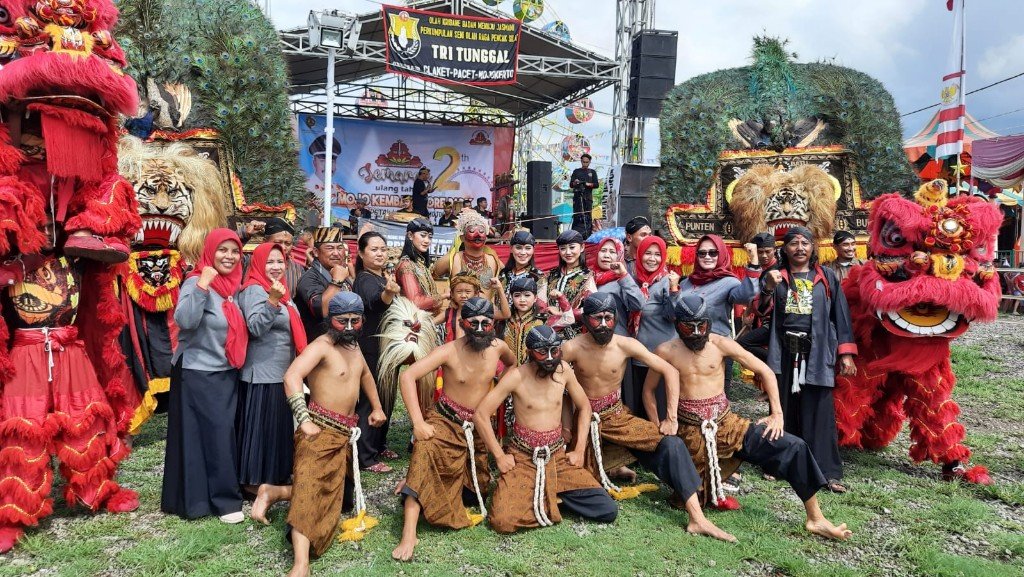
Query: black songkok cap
(319, 146)
(477, 306)
(542, 337)
(419, 225)
(798, 230)
(569, 237)
(636, 223)
(276, 225)
(690, 308)
(598, 303)
(522, 237)
(763, 240)
(345, 302)
(523, 284)
(842, 235)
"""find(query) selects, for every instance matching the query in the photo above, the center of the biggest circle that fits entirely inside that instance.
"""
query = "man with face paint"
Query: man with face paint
(474, 256)
(600, 358)
(336, 373)
(449, 466)
(538, 472)
(714, 434)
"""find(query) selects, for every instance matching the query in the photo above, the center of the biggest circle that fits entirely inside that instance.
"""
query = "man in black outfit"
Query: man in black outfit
(583, 181)
(420, 191)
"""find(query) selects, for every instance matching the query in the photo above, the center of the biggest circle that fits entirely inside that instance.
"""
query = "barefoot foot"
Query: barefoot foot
(623, 474)
(400, 486)
(404, 550)
(260, 504)
(826, 529)
(299, 571)
(709, 529)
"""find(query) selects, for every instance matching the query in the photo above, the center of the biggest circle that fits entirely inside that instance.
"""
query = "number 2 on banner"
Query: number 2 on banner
(444, 180)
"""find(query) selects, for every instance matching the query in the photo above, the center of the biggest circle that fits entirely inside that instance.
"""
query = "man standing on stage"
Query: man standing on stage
(583, 182)
(421, 190)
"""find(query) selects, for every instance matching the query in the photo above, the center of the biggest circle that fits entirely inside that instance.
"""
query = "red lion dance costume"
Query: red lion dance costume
(931, 274)
(64, 389)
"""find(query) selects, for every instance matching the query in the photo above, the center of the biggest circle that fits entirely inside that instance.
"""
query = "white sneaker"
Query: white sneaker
(233, 518)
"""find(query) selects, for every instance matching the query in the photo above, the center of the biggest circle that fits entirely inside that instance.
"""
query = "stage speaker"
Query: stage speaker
(652, 72)
(538, 200)
(635, 184)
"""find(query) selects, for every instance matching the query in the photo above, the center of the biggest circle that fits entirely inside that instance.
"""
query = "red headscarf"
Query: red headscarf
(226, 285)
(257, 276)
(603, 277)
(722, 269)
(644, 278)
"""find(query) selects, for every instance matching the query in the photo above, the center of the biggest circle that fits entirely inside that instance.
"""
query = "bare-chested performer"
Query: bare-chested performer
(448, 464)
(336, 373)
(536, 471)
(709, 428)
(599, 358)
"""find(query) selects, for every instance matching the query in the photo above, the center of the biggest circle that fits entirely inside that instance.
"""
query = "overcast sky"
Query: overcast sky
(902, 43)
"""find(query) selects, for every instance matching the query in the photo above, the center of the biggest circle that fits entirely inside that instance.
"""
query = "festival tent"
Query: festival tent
(923, 143)
(1000, 160)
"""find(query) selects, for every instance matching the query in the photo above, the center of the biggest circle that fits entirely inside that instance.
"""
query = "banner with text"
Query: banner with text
(451, 48)
(377, 161)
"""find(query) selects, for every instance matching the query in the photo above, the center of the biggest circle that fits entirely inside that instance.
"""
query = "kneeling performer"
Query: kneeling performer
(537, 472)
(720, 440)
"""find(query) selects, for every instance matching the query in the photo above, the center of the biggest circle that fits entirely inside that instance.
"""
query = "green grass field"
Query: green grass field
(905, 521)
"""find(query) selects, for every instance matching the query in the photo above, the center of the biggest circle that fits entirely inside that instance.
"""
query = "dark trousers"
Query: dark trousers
(582, 211)
(593, 504)
(787, 457)
(671, 462)
(632, 393)
(811, 415)
(373, 440)
(755, 341)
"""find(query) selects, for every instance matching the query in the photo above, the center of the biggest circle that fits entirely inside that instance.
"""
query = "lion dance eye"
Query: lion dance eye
(5, 16)
(892, 236)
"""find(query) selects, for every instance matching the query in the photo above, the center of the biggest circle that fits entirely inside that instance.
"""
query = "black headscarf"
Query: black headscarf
(275, 225)
(598, 303)
(477, 306)
(842, 235)
(636, 223)
(523, 284)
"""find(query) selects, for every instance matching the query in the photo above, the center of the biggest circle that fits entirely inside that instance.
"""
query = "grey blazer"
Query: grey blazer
(270, 338)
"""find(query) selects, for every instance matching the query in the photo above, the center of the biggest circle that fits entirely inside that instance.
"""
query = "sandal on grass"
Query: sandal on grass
(835, 486)
(378, 468)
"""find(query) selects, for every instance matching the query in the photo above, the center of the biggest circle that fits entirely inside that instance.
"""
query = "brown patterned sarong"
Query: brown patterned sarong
(731, 430)
(439, 469)
(512, 506)
(621, 431)
(320, 467)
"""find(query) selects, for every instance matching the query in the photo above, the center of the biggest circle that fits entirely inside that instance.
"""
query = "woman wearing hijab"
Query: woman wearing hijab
(655, 323)
(521, 264)
(610, 276)
(572, 280)
(276, 336)
(201, 459)
(715, 282)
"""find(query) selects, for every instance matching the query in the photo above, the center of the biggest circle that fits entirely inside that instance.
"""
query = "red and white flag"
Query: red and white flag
(950, 138)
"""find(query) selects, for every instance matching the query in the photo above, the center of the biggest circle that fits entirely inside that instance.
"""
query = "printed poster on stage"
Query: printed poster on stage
(451, 48)
(378, 161)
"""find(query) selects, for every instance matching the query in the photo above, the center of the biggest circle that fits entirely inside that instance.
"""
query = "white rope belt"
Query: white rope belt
(467, 430)
(799, 372)
(709, 430)
(541, 456)
(356, 478)
(595, 440)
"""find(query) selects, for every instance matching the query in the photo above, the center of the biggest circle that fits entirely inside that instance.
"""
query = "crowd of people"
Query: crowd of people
(566, 378)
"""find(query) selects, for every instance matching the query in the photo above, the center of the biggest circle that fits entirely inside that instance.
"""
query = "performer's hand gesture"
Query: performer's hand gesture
(619, 269)
(276, 291)
(751, 249)
(575, 458)
(390, 284)
(309, 429)
(377, 418)
(772, 279)
(206, 277)
(847, 368)
(669, 428)
(254, 227)
(423, 431)
(339, 272)
(505, 463)
(673, 280)
(773, 426)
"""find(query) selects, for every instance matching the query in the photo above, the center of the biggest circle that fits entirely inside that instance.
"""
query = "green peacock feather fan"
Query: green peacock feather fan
(773, 98)
(226, 52)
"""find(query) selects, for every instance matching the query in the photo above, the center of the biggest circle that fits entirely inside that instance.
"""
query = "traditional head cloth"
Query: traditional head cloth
(522, 237)
(523, 284)
(319, 146)
(343, 303)
(636, 223)
(795, 231)
(722, 268)
(601, 276)
(275, 225)
(842, 235)
(644, 278)
(763, 240)
(569, 237)
(226, 285)
(419, 225)
(690, 307)
(598, 303)
(465, 277)
(257, 276)
(326, 235)
(406, 197)
(477, 306)
(542, 337)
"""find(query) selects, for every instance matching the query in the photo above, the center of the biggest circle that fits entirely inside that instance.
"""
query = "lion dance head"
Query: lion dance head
(766, 198)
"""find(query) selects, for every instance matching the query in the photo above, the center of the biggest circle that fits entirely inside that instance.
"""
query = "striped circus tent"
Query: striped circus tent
(923, 142)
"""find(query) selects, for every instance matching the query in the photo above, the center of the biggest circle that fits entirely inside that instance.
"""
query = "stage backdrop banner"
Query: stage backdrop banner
(378, 161)
(394, 235)
(451, 48)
